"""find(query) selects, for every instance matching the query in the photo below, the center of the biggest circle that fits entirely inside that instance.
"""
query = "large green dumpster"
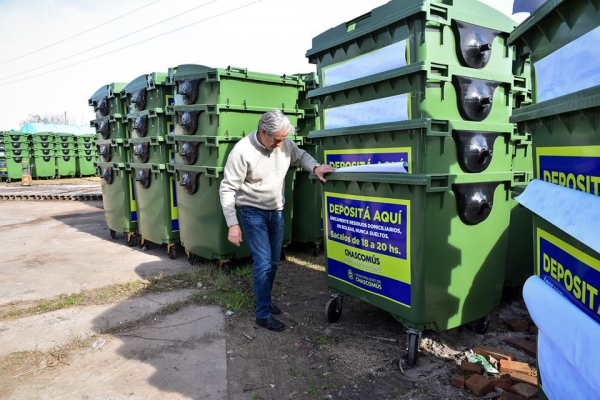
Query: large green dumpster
(148, 92)
(150, 123)
(111, 127)
(118, 199)
(206, 151)
(307, 222)
(107, 100)
(156, 199)
(43, 163)
(150, 150)
(85, 165)
(425, 145)
(429, 249)
(66, 164)
(203, 229)
(223, 120)
(14, 166)
(422, 90)
(399, 33)
(198, 84)
(113, 150)
(3, 168)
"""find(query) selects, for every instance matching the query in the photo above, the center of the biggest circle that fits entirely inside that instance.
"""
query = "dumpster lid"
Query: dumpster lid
(575, 213)
(147, 81)
(108, 91)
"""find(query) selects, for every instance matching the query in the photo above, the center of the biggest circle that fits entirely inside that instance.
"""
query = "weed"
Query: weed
(322, 340)
(295, 373)
(310, 388)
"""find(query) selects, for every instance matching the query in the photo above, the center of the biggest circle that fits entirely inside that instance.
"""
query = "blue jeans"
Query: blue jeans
(263, 232)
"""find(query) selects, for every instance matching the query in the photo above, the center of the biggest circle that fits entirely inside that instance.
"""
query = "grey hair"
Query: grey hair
(275, 121)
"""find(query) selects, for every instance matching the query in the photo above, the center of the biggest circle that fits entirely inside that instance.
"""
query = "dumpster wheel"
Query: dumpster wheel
(481, 326)
(143, 245)
(333, 309)
(172, 251)
(413, 348)
(190, 257)
(131, 239)
(113, 234)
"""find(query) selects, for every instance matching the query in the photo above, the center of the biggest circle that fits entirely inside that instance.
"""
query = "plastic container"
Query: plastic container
(156, 200)
(107, 100)
(207, 151)
(465, 33)
(43, 164)
(431, 250)
(66, 164)
(85, 165)
(198, 84)
(422, 90)
(111, 127)
(150, 123)
(148, 92)
(118, 197)
(150, 150)
(222, 120)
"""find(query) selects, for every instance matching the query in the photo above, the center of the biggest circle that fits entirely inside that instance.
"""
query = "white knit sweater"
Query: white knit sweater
(254, 175)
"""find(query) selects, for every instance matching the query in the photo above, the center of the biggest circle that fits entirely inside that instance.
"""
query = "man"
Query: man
(254, 182)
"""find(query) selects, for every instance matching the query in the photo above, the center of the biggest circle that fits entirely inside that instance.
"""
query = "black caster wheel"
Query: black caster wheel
(143, 247)
(333, 309)
(173, 253)
(481, 326)
(413, 349)
(316, 250)
(113, 234)
(191, 258)
(131, 240)
(283, 255)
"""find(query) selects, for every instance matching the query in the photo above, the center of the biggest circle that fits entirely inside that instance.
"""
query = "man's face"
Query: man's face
(274, 141)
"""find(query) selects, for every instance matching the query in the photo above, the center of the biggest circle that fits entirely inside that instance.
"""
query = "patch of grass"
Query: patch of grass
(311, 389)
(330, 386)
(322, 340)
(397, 393)
(254, 395)
(288, 350)
(295, 373)
(231, 290)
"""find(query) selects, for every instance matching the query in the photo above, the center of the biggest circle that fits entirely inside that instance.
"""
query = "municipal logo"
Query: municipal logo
(350, 275)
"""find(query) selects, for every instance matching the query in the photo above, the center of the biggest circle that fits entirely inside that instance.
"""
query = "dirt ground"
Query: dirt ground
(360, 357)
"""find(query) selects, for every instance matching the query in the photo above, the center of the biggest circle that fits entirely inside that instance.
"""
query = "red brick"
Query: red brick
(478, 384)
(525, 345)
(511, 396)
(494, 352)
(508, 367)
(469, 368)
(517, 325)
(458, 381)
(525, 390)
(525, 378)
(502, 383)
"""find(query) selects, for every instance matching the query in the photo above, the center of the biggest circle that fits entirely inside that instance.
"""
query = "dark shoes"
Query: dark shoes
(270, 323)
(275, 310)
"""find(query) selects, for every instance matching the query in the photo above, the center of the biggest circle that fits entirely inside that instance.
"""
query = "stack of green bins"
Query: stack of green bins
(561, 40)
(118, 195)
(85, 154)
(43, 162)
(428, 85)
(16, 149)
(307, 221)
(147, 99)
(3, 168)
(213, 109)
(66, 162)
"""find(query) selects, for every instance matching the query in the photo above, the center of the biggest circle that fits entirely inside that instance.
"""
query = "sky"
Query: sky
(261, 35)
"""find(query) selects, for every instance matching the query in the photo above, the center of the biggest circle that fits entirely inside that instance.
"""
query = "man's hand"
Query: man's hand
(235, 235)
(323, 169)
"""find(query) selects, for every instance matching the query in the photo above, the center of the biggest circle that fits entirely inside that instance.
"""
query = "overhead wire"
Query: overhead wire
(78, 34)
(131, 45)
(109, 42)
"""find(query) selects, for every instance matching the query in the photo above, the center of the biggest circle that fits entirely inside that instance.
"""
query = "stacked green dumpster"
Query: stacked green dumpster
(118, 194)
(213, 109)
(43, 163)
(16, 150)
(66, 162)
(561, 41)
(427, 87)
(85, 154)
(147, 98)
(307, 222)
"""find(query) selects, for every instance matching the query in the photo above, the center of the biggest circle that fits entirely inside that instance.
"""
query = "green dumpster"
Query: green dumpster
(205, 151)
(150, 150)
(222, 120)
(3, 168)
(429, 249)
(43, 163)
(66, 164)
(113, 150)
(111, 127)
(156, 199)
(108, 101)
(118, 199)
(14, 166)
(85, 165)
(203, 229)
(399, 33)
(425, 145)
(150, 123)
(148, 92)
(198, 84)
